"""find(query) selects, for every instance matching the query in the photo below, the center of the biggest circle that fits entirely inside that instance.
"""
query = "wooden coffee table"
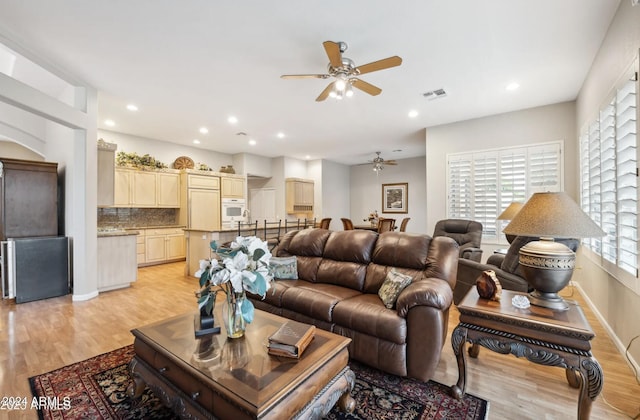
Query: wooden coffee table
(214, 376)
(543, 336)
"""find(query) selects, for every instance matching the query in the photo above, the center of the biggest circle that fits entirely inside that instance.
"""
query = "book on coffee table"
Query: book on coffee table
(291, 339)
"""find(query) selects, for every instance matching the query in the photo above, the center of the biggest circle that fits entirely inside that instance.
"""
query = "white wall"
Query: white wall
(164, 151)
(529, 126)
(10, 149)
(616, 305)
(366, 192)
(335, 193)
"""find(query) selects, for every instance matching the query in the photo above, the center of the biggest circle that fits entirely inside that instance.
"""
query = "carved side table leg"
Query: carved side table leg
(474, 350)
(458, 339)
(591, 385)
(573, 377)
(137, 387)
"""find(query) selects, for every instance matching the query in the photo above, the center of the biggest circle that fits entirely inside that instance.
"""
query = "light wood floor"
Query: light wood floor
(40, 336)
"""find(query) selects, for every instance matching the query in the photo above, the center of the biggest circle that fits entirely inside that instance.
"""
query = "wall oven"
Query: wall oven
(233, 211)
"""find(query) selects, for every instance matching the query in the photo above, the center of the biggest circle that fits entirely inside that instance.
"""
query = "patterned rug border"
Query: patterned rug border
(101, 403)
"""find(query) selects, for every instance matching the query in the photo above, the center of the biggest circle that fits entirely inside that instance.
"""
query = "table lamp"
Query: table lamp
(509, 213)
(548, 265)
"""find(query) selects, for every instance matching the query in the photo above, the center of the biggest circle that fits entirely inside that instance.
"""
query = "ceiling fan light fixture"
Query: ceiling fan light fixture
(348, 91)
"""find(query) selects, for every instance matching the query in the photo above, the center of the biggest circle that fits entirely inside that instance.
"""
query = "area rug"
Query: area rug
(96, 389)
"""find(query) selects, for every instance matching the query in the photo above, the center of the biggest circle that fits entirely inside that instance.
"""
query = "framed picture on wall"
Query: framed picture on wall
(395, 198)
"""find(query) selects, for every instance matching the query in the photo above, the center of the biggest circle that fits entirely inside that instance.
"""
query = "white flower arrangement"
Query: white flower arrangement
(244, 266)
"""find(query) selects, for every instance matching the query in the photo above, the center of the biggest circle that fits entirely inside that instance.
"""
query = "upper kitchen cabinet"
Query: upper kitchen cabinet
(135, 188)
(106, 163)
(233, 186)
(299, 196)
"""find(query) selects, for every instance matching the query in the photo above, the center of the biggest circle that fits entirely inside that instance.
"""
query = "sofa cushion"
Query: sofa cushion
(392, 286)
(350, 245)
(315, 300)
(367, 314)
(284, 267)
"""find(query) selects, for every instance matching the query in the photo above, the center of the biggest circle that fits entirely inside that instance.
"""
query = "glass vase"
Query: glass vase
(232, 314)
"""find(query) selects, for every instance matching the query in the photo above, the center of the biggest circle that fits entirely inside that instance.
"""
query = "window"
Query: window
(482, 184)
(609, 193)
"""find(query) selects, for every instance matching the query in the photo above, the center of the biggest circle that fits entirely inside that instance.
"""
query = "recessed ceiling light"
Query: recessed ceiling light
(413, 113)
(232, 120)
(307, 157)
(280, 135)
(196, 141)
(109, 123)
(512, 86)
(204, 130)
(252, 142)
(132, 107)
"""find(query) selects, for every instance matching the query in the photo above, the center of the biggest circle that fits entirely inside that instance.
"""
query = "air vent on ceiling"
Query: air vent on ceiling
(435, 94)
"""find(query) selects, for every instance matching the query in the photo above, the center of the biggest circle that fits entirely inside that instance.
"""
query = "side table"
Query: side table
(543, 336)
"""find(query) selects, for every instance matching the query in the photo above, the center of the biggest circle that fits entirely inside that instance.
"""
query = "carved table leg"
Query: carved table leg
(474, 350)
(591, 385)
(346, 403)
(458, 339)
(573, 377)
(137, 387)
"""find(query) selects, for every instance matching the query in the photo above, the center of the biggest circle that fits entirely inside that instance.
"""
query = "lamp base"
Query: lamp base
(548, 300)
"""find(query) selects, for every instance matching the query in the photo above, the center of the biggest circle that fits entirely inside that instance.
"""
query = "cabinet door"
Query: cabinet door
(144, 189)
(232, 187)
(307, 194)
(168, 190)
(204, 209)
(122, 188)
(155, 248)
(175, 246)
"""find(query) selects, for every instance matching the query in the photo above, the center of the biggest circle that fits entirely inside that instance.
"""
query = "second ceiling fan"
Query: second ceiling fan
(345, 72)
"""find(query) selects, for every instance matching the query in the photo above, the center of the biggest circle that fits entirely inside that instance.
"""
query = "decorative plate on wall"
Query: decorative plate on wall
(183, 162)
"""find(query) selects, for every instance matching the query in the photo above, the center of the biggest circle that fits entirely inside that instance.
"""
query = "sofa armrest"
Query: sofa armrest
(432, 292)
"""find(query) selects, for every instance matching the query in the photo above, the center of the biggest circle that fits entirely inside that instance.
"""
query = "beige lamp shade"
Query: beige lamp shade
(510, 212)
(553, 215)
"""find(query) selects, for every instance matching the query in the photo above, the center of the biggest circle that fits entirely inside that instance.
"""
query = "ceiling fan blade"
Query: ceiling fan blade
(305, 76)
(333, 52)
(389, 162)
(366, 87)
(379, 65)
(325, 93)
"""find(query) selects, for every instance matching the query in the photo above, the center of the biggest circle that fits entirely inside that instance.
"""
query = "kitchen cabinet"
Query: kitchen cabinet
(136, 188)
(106, 166)
(117, 265)
(233, 187)
(299, 196)
(163, 245)
(200, 206)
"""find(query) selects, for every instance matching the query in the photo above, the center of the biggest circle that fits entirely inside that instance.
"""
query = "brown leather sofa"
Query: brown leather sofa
(339, 275)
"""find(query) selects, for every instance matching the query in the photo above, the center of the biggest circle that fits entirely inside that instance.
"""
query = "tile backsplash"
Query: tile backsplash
(136, 217)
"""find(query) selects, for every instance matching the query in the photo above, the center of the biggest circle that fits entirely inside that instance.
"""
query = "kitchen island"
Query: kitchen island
(198, 244)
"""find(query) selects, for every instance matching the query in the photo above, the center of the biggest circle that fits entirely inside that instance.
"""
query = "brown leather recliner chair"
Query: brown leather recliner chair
(507, 268)
(467, 233)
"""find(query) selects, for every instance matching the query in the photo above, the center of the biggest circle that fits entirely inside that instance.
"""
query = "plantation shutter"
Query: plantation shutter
(626, 164)
(608, 182)
(485, 192)
(513, 180)
(544, 168)
(460, 194)
(594, 180)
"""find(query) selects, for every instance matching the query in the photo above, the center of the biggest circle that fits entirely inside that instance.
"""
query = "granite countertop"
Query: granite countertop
(116, 232)
(129, 230)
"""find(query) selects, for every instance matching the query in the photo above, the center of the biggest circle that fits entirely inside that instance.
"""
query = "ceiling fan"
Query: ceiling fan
(345, 72)
(379, 163)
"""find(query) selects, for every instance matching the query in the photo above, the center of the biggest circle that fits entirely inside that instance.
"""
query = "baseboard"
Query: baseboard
(622, 348)
(77, 298)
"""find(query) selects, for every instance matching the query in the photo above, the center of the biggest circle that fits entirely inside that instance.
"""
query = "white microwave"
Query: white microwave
(233, 211)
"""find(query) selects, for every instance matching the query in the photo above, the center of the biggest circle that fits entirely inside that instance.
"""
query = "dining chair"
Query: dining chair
(325, 223)
(386, 224)
(248, 228)
(347, 224)
(403, 224)
(291, 225)
(271, 233)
